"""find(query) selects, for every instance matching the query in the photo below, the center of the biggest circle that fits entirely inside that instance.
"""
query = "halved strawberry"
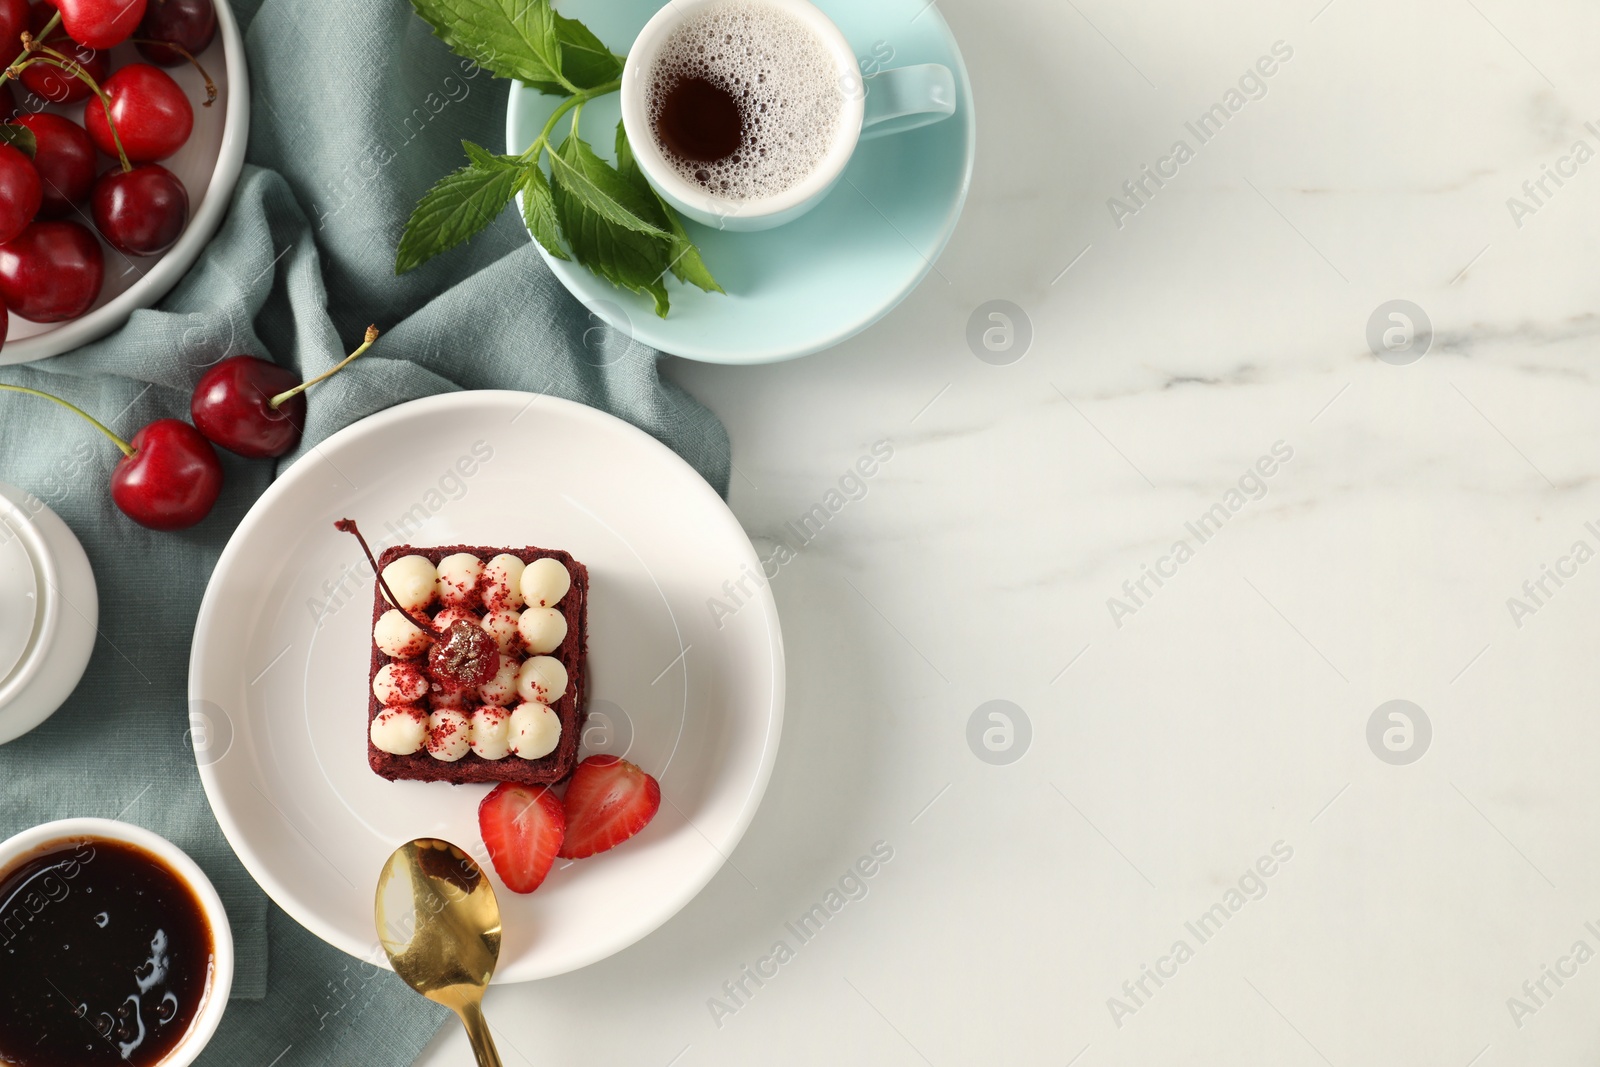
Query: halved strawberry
(608, 801)
(523, 827)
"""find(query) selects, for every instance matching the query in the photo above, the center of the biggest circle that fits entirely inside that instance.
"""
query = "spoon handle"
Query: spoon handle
(478, 1033)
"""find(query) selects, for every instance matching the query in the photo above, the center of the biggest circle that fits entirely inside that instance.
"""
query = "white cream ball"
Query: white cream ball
(544, 582)
(491, 732)
(542, 680)
(413, 581)
(440, 697)
(535, 730)
(449, 734)
(398, 637)
(502, 688)
(502, 583)
(542, 629)
(399, 731)
(399, 683)
(502, 626)
(459, 578)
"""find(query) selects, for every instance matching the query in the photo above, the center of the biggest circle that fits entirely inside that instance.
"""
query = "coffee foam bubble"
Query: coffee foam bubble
(784, 80)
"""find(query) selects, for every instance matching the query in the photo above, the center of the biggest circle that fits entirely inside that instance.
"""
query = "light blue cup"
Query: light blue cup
(894, 101)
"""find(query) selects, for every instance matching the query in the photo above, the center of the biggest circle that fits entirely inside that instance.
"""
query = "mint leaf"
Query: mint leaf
(684, 256)
(511, 38)
(628, 167)
(539, 211)
(624, 255)
(658, 291)
(21, 138)
(479, 156)
(585, 61)
(592, 180)
(686, 262)
(457, 207)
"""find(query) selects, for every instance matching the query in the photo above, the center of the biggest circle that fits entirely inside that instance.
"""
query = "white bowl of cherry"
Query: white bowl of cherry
(114, 169)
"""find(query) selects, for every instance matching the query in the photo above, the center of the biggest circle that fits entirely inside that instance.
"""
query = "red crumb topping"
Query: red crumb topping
(408, 678)
(465, 592)
(406, 709)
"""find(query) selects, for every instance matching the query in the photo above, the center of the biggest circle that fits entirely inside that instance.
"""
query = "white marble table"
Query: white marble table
(1215, 725)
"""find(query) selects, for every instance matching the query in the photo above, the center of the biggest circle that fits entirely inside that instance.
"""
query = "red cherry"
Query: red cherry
(190, 24)
(168, 477)
(52, 272)
(52, 83)
(13, 20)
(171, 479)
(256, 408)
(100, 24)
(467, 658)
(232, 407)
(141, 211)
(64, 159)
(152, 115)
(21, 192)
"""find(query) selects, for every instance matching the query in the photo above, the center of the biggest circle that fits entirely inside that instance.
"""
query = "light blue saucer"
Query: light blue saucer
(825, 277)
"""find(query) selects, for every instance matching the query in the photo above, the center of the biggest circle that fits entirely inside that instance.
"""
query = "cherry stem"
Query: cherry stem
(286, 396)
(211, 86)
(127, 449)
(71, 66)
(422, 621)
(29, 42)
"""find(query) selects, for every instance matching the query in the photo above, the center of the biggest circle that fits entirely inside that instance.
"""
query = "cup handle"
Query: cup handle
(906, 98)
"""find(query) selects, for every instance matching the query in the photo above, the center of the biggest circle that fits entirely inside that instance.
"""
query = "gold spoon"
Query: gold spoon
(440, 924)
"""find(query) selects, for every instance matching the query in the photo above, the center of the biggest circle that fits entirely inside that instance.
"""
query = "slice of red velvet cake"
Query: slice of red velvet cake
(445, 709)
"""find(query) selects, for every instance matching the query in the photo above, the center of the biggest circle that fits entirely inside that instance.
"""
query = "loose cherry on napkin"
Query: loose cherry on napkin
(255, 408)
(168, 477)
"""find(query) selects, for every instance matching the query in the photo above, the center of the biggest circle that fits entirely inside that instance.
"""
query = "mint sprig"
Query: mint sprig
(606, 217)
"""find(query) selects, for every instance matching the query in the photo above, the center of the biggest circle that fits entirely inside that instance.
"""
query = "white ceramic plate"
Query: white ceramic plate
(208, 165)
(278, 675)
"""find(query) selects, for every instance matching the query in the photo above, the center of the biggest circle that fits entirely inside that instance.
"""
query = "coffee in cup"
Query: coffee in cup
(744, 99)
(743, 114)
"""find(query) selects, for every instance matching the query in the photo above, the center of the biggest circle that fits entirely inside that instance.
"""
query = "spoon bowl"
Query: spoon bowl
(439, 922)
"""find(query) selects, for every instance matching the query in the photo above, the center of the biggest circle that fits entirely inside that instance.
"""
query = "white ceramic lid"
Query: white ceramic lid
(62, 609)
(19, 590)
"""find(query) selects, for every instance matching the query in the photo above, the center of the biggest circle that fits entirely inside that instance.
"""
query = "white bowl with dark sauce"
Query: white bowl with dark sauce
(130, 939)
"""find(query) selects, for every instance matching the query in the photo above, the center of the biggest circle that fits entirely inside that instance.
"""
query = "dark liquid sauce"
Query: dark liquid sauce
(699, 121)
(105, 957)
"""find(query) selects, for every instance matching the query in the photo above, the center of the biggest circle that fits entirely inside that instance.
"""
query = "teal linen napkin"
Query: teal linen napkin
(356, 109)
